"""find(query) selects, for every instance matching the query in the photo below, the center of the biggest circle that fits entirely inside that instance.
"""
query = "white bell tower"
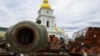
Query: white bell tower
(45, 15)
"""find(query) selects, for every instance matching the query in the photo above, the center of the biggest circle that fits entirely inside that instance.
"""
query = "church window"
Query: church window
(47, 11)
(47, 23)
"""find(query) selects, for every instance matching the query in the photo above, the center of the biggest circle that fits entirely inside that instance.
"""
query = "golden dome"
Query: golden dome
(45, 5)
(55, 28)
(62, 30)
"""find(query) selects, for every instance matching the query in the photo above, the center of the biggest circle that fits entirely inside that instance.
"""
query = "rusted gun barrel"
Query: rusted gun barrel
(26, 37)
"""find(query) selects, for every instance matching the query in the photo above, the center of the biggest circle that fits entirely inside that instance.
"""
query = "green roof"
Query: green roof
(3, 29)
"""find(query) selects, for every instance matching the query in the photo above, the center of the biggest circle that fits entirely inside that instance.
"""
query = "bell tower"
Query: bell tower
(45, 15)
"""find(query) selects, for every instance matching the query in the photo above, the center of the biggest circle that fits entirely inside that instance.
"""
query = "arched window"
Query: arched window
(47, 23)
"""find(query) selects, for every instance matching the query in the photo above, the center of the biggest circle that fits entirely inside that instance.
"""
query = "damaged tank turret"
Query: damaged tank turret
(26, 37)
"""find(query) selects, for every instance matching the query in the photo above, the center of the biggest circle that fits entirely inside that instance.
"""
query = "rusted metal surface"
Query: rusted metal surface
(52, 54)
(89, 36)
(54, 44)
(93, 36)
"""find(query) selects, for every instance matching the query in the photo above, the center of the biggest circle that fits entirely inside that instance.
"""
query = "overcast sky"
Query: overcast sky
(73, 15)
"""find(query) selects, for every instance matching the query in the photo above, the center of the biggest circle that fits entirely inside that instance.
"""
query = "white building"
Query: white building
(45, 15)
(80, 33)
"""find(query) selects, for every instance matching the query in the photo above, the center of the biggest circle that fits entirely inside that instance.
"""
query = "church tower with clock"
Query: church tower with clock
(45, 15)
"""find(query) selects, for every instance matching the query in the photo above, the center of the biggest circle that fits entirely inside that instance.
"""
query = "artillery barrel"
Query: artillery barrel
(26, 37)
